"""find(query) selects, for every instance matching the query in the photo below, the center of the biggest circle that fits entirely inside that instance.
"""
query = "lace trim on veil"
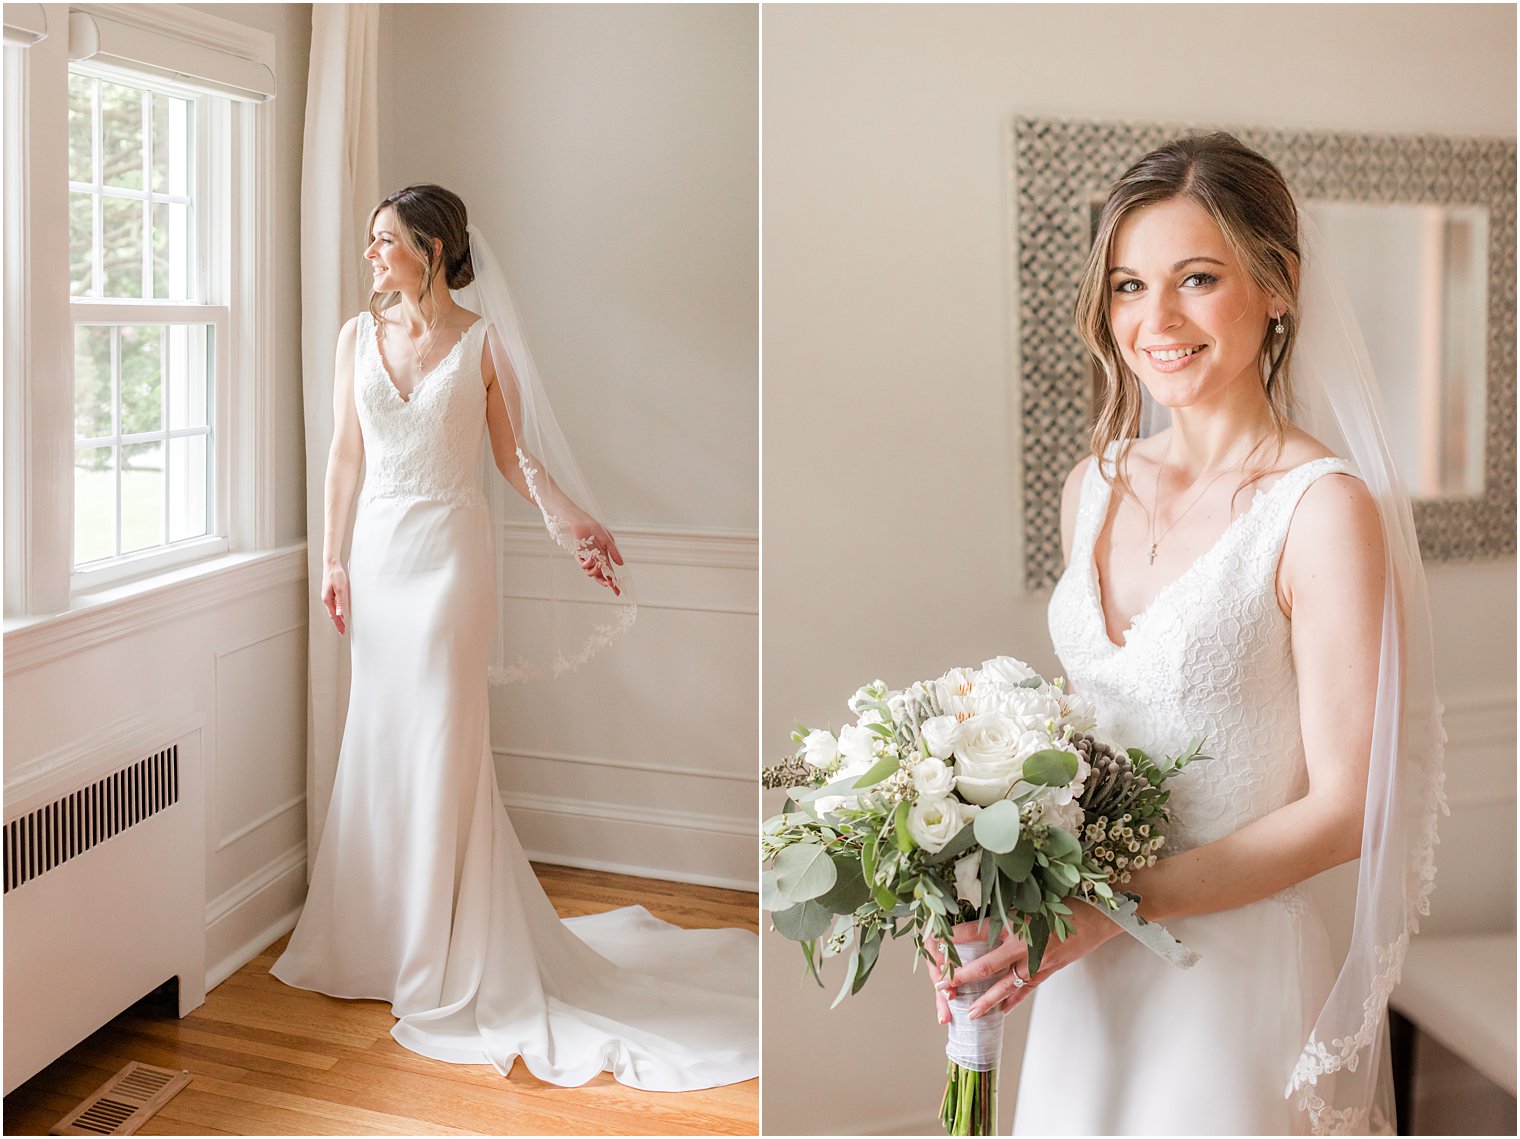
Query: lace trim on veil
(1319, 1059)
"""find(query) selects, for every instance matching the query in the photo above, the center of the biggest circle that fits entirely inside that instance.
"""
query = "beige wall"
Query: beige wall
(609, 154)
(890, 523)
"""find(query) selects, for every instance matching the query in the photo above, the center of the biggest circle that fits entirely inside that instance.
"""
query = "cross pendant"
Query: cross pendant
(1153, 554)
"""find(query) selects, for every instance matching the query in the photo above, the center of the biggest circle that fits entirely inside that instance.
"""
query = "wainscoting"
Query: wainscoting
(646, 762)
(216, 659)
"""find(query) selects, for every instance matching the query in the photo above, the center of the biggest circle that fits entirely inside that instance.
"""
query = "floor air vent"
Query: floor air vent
(55, 832)
(124, 1102)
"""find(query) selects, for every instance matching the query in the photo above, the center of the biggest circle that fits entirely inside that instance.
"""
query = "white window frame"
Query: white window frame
(154, 45)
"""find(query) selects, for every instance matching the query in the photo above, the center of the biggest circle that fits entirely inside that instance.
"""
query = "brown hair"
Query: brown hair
(426, 213)
(1249, 200)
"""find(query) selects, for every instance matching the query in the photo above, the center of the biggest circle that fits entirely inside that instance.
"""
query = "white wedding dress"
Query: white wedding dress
(1120, 1042)
(421, 894)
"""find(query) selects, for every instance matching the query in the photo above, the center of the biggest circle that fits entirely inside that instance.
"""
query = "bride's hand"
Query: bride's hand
(1009, 953)
(1090, 930)
(596, 551)
(335, 596)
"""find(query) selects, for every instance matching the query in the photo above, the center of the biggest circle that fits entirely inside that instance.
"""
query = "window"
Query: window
(139, 174)
(144, 338)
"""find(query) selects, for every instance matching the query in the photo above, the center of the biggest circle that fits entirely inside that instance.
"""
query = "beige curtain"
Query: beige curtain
(339, 186)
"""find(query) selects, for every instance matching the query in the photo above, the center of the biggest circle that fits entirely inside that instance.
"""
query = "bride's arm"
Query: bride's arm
(1331, 581)
(345, 459)
(504, 450)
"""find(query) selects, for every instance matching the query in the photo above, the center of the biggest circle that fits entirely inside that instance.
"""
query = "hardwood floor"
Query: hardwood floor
(267, 1059)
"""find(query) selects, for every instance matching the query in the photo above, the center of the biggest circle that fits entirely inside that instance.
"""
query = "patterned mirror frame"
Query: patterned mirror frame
(1061, 166)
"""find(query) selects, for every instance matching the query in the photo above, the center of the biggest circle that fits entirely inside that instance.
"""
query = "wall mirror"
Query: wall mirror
(1423, 231)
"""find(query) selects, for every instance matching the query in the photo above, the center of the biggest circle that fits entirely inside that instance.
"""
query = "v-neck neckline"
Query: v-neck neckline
(390, 379)
(1095, 584)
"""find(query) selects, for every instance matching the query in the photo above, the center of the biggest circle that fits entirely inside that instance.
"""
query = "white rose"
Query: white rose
(1007, 670)
(1031, 707)
(986, 761)
(941, 733)
(968, 879)
(933, 778)
(820, 748)
(858, 746)
(934, 822)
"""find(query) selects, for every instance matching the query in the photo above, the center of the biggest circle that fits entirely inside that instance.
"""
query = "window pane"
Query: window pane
(92, 381)
(142, 496)
(171, 252)
(94, 503)
(188, 484)
(122, 140)
(122, 246)
(171, 145)
(189, 375)
(141, 378)
(82, 244)
(81, 92)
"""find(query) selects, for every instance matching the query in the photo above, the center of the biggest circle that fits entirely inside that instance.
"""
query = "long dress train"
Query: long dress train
(420, 894)
(1207, 1050)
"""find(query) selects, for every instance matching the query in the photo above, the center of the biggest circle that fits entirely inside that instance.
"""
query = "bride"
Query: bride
(420, 893)
(1233, 576)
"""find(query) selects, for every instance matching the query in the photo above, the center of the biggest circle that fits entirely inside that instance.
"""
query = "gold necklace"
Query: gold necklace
(1156, 508)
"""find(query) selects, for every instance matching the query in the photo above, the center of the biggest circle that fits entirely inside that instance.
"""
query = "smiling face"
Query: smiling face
(1185, 315)
(395, 268)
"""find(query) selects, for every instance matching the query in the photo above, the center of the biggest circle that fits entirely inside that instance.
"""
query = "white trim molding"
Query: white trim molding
(108, 615)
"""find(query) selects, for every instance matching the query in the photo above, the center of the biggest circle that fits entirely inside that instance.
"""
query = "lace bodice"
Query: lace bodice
(1210, 655)
(427, 446)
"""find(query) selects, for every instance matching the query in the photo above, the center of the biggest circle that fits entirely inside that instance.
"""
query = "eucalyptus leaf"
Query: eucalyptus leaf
(905, 841)
(997, 827)
(870, 949)
(883, 767)
(1018, 862)
(1039, 934)
(1062, 846)
(802, 922)
(771, 897)
(849, 977)
(849, 890)
(804, 871)
(1028, 898)
(1050, 768)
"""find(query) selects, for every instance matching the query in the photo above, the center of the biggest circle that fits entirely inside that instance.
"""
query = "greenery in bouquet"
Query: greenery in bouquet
(983, 795)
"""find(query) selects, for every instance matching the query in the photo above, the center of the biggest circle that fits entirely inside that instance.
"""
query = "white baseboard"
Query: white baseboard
(676, 846)
(241, 922)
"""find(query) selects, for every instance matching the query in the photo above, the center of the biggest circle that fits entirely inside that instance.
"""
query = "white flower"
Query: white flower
(1067, 815)
(941, 733)
(934, 822)
(957, 691)
(1007, 670)
(858, 746)
(1033, 708)
(968, 879)
(871, 716)
(870, 694)
(933, 778)
(986, 760)
(820, 748)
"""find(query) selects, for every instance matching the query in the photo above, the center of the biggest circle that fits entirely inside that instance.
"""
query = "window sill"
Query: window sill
(105, 614)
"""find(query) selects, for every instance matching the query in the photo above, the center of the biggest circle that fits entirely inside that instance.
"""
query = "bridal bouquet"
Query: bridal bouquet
(983, 796)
